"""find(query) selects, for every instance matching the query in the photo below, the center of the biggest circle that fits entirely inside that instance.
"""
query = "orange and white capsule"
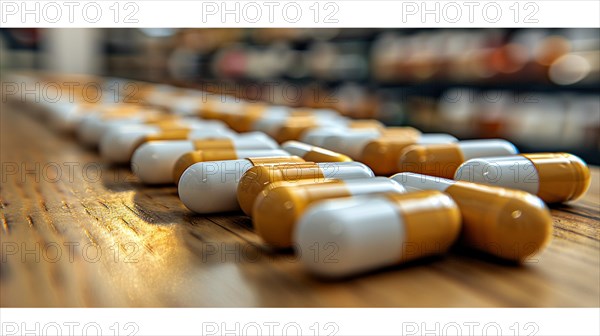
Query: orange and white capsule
(359, 146)
(272, 124)
(66, 116)
(510, 224)
(352, 139)
(245, 119)
(119, 143)
(554, 177)
(442, 160)
(317, 136)
(154, 161)
(280, 205)
(256, 179)
(190, 158)
(94, 125)
(347, 236)
(381, 153)
(313, 153)
(210, 187)
(296, 128)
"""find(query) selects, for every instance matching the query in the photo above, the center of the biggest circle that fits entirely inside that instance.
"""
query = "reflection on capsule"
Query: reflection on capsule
(359, 234)
(509, 224)
(442, 160)
(279, 206)
(554, 177)
(209, 187)
(257, 178)
(153, 162)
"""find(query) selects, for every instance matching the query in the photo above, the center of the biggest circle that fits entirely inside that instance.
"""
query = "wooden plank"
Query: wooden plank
(78, 232)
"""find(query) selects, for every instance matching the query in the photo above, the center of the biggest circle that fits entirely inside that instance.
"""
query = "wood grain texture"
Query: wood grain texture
(78, 232)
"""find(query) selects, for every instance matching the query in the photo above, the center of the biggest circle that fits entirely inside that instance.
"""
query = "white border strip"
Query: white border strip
(300, 13)
(329, 321)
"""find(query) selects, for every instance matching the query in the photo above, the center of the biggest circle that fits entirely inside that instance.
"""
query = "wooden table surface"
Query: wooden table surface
(78, 232)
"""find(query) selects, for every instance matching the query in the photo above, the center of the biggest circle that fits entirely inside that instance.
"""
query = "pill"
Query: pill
(118, 144)
(154, 161)
(244, 121)
(285, 127)
(65, 116)
(378, 150)
(510, 224)
(294, 130)
(93, 127)
(400, 131)
(210, 187)
(363, 233)
(316, 136)
(279, 206)
(313, 153)
(442, 160)
(189, 104)
(554, 177)
(366, 124)
(220, 107)
(256, 179)
(188, 159)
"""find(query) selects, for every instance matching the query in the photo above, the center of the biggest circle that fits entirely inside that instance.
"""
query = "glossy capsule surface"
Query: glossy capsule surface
(510, 224)
(257, 178)
(154, 161)
(279, 206)
(442, 160)
(210, 187)
(554, 177)
(347, 236)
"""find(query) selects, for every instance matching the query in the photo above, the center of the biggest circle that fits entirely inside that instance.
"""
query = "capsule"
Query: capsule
(506, 223)
(244, 120)
(442, 160)
(279, 206)
(210, 187)
(312, 153)
(291, 127)
(92, 127)
(382, 154)
(154, 161)
(65, 116)
(295, 129)
(118, 144)
(218, 108)
(317, 136)
(189, 104)
(347, 236)
(254, 181)
(190, 158)
(554, 177)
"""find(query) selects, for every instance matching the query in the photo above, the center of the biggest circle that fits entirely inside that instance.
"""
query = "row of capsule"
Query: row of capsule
(311, 194)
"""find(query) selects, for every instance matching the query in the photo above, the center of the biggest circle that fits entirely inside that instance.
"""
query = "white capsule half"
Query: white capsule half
(153, 162)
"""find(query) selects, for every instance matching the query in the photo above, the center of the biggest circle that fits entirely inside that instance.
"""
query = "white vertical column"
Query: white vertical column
(73, 50)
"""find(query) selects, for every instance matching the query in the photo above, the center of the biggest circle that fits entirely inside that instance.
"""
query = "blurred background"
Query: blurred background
(538, 88)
